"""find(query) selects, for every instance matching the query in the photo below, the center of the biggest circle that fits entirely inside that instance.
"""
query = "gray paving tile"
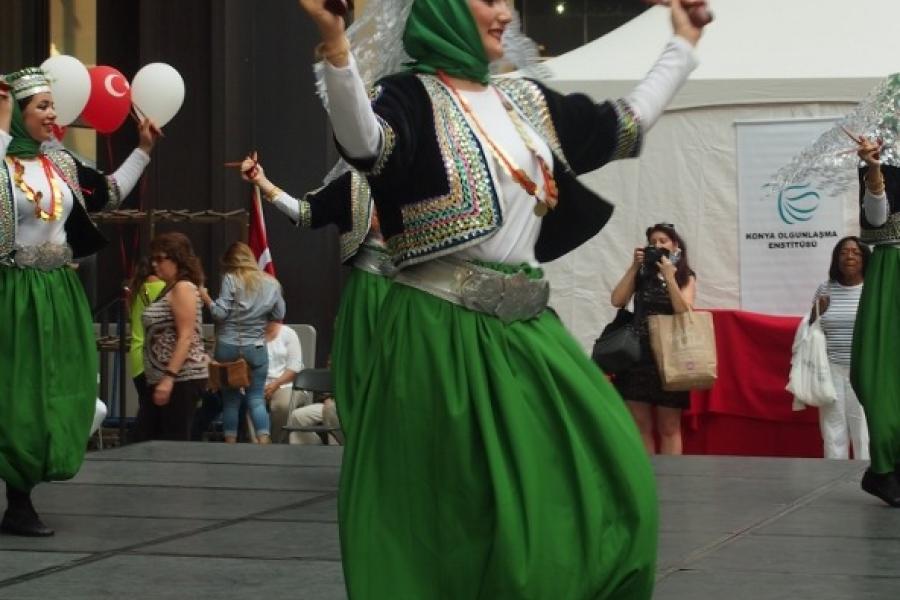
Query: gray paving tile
(257, 539)
(325, 511)
(847, 492)
(794, 469)
(861, 520)
(806, 556)
(150, 501)
(210, 475)
(275, 454)
(675, 548)
(744, 585)
(98, 534)
(14, 563)
(733, 490)
(713, 517)
(180, 578)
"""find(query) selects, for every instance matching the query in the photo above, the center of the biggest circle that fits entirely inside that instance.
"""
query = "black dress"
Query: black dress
(641, 383)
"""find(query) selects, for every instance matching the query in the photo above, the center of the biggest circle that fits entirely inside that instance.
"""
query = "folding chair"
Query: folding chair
(312, 381)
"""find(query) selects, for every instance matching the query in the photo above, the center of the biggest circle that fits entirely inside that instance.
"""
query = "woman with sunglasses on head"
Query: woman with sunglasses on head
(175, 360)
(490, 458)
(661, 282)
(48, 378)
(144, 288)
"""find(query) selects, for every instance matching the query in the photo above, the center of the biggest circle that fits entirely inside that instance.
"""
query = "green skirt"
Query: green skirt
(875, 364)
(491, 461)
(357, 318)
(48, 375)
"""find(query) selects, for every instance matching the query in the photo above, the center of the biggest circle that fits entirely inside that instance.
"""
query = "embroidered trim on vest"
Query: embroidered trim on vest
(532, 104)
(7, 214)
(305, 219)
(630, 133)
(388, 143)
(360, 216)
(64, 161)
(889, 233)
(115, 194)
(469, 211)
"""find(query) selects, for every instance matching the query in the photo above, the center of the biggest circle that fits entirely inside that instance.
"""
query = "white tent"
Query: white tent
(759, 60)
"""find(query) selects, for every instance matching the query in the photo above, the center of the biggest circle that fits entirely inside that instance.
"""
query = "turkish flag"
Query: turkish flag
(259, 241)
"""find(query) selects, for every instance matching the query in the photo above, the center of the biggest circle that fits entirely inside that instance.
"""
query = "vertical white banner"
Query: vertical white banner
(785, 237)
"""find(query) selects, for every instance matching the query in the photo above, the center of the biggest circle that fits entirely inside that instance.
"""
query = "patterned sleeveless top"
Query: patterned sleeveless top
(160, 336)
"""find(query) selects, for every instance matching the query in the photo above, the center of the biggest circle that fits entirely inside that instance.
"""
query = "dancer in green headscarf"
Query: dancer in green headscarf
(48, 375)
(490, 457)
(876, 335)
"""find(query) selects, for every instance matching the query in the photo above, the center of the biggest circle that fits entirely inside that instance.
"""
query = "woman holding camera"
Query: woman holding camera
(662, 283)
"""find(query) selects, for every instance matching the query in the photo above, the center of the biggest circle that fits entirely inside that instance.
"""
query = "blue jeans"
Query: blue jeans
(257, 358)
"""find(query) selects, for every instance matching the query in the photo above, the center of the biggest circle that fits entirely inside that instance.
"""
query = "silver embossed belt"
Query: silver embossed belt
(44, 257)
(508, 297)
(372, 260)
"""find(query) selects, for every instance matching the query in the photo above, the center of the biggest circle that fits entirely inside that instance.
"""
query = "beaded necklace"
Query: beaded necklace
(34, 196)
(551, 193)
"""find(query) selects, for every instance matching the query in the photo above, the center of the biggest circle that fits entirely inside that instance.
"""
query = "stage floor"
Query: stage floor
(206, 520)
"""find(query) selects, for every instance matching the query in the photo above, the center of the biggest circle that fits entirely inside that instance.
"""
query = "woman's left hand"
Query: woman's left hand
(666, 267)
(163, 391)
(688, 18)
(148, 133)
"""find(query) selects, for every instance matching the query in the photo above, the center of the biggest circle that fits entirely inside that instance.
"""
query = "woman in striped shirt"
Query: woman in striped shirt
(843, 421)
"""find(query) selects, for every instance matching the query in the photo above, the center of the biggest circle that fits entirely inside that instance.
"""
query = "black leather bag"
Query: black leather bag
(619, 346)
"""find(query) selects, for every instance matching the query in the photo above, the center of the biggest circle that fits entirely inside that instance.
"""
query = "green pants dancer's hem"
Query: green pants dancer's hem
(875, 364)
(48, 375)
(491, 460)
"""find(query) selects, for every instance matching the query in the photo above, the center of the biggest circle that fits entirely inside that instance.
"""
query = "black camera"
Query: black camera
(652, 255)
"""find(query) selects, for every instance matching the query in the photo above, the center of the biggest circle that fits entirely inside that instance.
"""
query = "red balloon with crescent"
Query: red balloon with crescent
(110, 100)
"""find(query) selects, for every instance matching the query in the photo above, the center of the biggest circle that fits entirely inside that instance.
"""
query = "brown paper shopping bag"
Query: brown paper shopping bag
(684, 346)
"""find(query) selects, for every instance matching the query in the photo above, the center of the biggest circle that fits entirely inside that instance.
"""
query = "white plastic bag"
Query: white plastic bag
(810, 379)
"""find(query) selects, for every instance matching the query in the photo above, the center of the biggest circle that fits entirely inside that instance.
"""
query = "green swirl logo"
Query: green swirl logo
(797, 203)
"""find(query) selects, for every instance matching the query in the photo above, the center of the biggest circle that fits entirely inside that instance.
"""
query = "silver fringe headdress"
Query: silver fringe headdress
(831, 161)
(376, 41)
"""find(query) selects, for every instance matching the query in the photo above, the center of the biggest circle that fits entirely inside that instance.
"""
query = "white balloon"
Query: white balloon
(70, 84)
(157, 91)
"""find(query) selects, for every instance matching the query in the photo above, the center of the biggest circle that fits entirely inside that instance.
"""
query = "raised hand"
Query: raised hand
(330, 24)
(251, 170)
(148, 133)
(869, 151)
(689, 17)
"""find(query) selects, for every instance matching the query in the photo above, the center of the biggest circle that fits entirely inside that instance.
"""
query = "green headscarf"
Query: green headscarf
(442, 35)
(22, 144)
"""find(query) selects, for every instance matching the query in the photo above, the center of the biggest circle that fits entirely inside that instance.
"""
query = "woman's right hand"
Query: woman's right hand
(869, 151)
(331, 26)
(252, 171)
(638, 258)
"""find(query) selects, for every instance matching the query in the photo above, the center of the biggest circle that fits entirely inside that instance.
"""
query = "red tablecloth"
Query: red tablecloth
(748, 412)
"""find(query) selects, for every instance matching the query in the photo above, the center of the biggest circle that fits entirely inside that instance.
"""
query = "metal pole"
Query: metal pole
(123, 356)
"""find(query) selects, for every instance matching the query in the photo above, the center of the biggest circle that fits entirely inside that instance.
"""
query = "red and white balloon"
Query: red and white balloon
(110, 100)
